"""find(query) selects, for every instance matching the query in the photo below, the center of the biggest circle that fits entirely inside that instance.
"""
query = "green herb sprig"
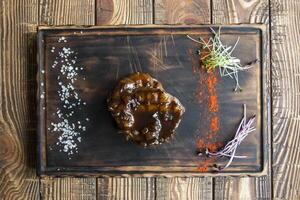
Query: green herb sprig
(218, 55)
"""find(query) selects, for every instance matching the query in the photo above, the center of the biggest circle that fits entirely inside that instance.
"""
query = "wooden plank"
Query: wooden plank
(126, 188)
(242, 188)
(285, 67)
(182, 12)
(115, 12)
(184, 188)
(67, 12)
(241, 11)
(68, 188)
(63, 13)
(18, 22)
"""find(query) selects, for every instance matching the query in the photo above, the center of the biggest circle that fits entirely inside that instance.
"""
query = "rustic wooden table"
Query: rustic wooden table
(19, 21)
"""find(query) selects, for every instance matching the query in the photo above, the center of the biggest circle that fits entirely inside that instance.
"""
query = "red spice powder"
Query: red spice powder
(214, 124)
(213, 103)
(208, 162)
(208, 142)
(207, 93)
(201, 145)
(204, 166)
(211, 87)
(211, 82)
(214, 146)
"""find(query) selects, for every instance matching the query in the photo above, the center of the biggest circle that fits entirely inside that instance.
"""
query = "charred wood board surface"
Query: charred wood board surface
(103, 55)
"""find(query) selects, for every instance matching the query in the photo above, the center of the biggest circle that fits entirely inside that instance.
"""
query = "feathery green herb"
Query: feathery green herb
(214, 54)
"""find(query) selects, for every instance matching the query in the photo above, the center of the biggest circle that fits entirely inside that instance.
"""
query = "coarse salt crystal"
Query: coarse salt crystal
(69, 133)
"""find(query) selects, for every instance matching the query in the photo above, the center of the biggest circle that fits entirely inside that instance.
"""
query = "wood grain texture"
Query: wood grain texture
(285, 67)
(184, 188)
(18, 21)
(115, 12)
(126, 188)
(63, 13)
(233, 188)
(182, 12)
(68, 188)
(241, 11)
(67, 12)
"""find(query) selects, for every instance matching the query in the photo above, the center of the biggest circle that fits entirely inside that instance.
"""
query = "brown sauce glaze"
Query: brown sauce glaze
(143, 110)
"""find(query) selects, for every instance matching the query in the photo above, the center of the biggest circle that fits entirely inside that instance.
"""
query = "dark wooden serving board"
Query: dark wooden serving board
(109, 53)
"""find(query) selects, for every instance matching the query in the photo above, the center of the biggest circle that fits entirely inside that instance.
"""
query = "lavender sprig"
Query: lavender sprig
(245, 127)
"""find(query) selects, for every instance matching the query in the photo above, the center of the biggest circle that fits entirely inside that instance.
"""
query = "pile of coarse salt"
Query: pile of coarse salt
(68, 130)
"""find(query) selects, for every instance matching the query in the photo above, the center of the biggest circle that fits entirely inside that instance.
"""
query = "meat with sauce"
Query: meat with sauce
(143, 110)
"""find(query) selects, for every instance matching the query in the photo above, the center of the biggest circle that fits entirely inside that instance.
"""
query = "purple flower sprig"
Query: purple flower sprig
(245, 127)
